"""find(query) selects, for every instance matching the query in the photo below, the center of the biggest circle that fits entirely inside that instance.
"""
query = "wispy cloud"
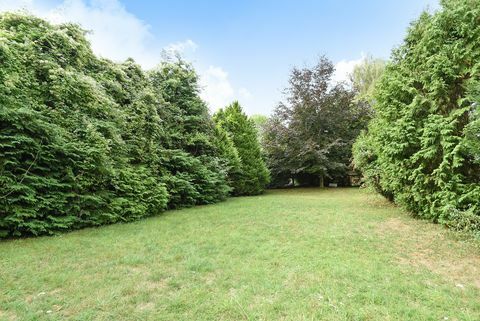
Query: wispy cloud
(181, 47)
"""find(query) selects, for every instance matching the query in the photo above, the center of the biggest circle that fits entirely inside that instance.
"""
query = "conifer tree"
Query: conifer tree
(228, 154)
(194, 172)
(254, 175)
(85, 141)
(421, 149)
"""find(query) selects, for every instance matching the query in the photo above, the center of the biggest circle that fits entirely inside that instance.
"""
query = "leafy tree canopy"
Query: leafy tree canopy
(309, 136)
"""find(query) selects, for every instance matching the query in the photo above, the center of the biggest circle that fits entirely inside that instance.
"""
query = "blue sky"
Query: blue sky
(242, 49)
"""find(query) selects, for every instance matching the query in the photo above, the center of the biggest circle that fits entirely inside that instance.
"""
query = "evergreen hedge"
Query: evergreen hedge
(85, 141)
(422, 149)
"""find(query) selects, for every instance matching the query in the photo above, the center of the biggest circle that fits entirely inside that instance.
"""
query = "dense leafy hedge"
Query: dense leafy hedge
(423, 147)
(86, 142)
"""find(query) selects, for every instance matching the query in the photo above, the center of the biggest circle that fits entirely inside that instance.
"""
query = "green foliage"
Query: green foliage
(85, 141)
(260, 121)
(229, 154)
(253, 175)
(422, 148)
(365, 77)
(197, 169)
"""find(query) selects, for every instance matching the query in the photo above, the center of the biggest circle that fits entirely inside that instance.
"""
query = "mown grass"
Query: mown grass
(302, 254)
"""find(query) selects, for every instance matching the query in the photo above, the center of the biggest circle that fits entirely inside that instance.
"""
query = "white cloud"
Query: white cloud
(116, 33)
(181, 47)
(217, 89)
(344, 68)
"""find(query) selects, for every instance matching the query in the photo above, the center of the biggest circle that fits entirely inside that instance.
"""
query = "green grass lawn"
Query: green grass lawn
(302, 254)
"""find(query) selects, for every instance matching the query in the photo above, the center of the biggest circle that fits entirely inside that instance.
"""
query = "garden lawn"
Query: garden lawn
(301, 254)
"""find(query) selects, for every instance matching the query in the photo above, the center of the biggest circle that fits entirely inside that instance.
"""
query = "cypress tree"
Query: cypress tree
(253, 175)
(195, 172)
(421, 149)
(86, 141)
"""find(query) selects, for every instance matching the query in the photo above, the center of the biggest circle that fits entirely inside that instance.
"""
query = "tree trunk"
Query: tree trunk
(320, 183)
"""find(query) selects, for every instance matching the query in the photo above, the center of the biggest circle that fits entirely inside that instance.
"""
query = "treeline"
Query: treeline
(85, 141)
(422, 149)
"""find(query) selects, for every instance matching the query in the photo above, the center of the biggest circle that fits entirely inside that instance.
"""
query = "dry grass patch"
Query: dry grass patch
(425, 246)
(8, 316)
(146, 306)
(393, 225)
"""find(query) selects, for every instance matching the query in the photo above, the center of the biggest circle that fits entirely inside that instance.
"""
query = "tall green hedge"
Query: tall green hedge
(85, 141)
(423, 147)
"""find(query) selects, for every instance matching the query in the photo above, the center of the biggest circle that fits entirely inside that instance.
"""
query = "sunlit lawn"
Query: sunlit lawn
(303, 254)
